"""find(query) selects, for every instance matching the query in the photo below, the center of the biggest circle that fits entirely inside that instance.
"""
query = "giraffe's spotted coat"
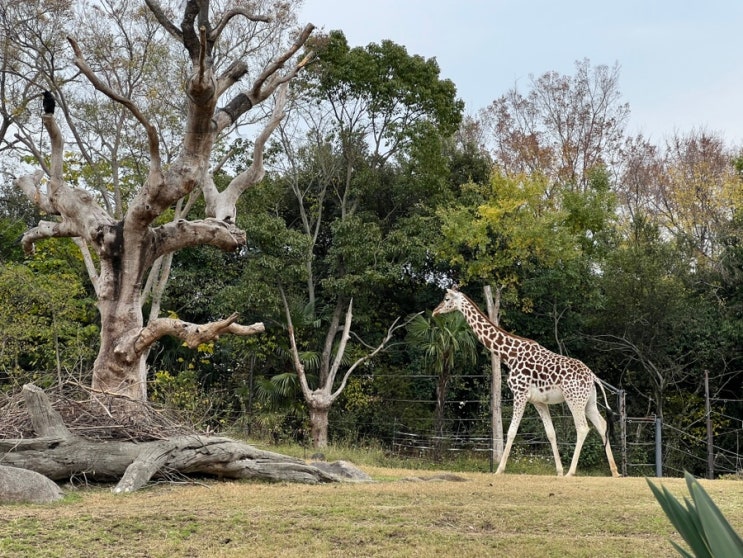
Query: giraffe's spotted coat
(539, 376)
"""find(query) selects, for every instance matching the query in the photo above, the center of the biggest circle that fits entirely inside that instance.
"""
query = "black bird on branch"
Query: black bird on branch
(48, 103)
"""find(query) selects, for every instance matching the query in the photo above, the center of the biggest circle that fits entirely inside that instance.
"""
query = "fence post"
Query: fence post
(394, 435)
(658, 447)
(622, 395)
(710, 444)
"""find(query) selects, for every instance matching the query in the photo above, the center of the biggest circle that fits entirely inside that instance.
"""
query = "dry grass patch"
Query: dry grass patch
(513, 515)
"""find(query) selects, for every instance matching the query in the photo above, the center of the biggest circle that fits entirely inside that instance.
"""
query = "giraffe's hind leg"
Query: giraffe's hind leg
(544, 413)
(593, 414)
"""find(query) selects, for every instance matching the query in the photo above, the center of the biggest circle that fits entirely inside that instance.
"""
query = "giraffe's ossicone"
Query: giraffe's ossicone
(541, 377)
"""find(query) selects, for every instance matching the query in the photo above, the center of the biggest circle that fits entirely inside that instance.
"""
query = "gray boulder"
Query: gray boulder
(21, 485)
(343, 469)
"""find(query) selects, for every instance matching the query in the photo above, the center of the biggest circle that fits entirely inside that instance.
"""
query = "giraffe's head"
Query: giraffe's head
(452, 301)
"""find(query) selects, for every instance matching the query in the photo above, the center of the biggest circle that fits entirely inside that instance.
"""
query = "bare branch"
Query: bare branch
(277, 64)
(55, 136)
(36, 153)
(30, 185)
(230, 77)
(298, 366)
(340, 351)
(88, 260)
(202, 53)
(47, 229)
(390, 333)
(265, 84)
(152, 137)
(81, 215)
(190, 41)
(227, 17)
(168, 25)
(222, 205)
(327, 349)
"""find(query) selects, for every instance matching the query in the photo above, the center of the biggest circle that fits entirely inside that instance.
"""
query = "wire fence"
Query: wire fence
(644, 446)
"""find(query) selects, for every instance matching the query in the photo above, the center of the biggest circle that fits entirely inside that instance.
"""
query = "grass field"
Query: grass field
(513, 515)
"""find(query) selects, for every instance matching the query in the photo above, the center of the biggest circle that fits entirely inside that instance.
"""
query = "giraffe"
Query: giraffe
(539, 376)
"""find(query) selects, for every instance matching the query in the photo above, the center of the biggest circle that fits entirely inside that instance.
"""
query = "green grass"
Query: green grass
(514, 515)
(462, 461)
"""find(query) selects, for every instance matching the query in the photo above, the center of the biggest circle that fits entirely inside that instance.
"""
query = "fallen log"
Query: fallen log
(59, 454)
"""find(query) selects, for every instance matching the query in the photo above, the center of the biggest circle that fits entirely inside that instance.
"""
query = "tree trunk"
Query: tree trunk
(59, 454)
(442, 384)
(319, 425)
(496, 390)
(115, 372)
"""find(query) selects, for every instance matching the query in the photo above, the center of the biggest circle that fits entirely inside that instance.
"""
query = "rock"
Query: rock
(21, 485)
(448, 477)
(342, 469)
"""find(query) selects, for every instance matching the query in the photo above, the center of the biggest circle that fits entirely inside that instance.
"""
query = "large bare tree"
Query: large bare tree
(123, 244)
(127, 237)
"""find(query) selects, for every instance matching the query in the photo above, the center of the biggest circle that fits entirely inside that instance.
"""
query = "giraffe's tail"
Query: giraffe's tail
(610, 415)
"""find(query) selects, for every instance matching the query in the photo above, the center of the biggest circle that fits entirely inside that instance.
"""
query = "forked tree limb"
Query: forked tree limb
(264, 86)
(180, 234)
(227, 17)
(222, 205)
(132, 345)
(47, 229)
(382, 345)
(298, 366)
(81, 215)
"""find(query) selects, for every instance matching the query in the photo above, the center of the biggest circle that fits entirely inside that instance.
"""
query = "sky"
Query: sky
(681, 61)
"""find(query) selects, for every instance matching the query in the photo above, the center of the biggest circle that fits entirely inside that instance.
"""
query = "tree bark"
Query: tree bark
(319, 425)
(495, 364)
(59, 454)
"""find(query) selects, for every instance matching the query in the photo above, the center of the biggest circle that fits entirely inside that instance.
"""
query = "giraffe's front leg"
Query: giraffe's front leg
(518, 411)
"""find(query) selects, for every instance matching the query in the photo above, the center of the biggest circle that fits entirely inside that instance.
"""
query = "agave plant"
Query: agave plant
(700, 522)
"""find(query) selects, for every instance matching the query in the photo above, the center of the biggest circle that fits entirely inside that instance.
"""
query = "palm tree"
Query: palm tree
(447, 342)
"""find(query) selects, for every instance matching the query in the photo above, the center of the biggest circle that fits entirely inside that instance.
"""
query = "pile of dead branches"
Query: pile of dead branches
(94, 418)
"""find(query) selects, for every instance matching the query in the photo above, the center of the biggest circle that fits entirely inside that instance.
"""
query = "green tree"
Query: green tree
(447, 343)
(650, 316)
(374, 111)
(47, 320)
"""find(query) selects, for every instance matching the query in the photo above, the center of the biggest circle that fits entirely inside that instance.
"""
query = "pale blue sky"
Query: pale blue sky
(681, 61)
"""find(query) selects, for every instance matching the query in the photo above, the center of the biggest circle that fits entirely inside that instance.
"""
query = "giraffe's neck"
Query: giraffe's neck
(490, 335)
